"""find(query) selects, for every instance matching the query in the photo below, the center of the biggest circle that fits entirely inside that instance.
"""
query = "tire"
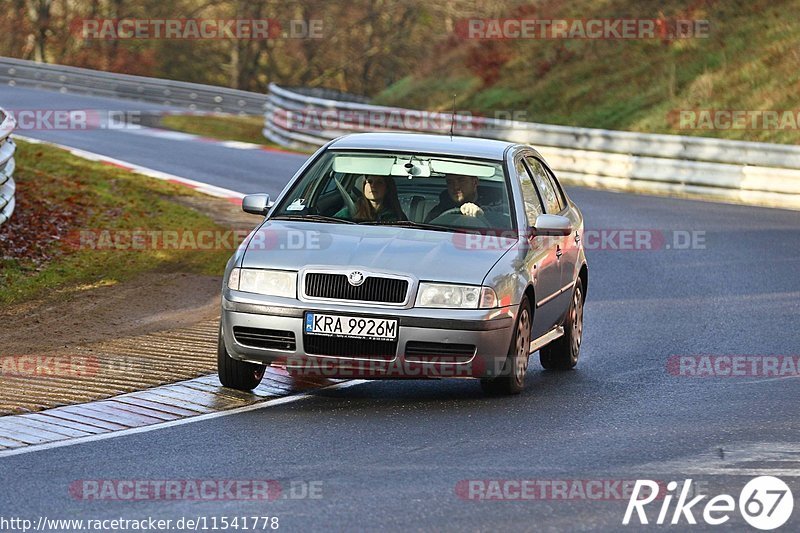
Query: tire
(563, 353)
(512, 378)
(236, 374)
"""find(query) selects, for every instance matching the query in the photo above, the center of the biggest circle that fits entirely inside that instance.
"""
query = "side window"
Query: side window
(533, 204)
(327, 185)
(330, 186)
(545, 186)
(557, 186)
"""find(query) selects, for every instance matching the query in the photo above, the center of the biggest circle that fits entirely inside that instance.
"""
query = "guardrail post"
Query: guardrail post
(7, 164)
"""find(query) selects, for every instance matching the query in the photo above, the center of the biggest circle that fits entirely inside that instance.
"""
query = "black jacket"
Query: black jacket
(485, 201)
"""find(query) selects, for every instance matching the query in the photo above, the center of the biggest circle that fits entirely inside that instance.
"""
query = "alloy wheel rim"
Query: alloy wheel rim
(522, 346)
(577, 322)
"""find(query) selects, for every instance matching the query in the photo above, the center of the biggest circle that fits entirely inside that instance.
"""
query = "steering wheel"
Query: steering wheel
(454, 213)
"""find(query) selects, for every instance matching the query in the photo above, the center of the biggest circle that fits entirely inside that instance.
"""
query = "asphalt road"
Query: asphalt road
(241, 170)
(390, 455)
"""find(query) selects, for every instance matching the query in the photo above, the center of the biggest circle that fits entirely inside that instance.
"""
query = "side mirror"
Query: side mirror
(552, 225)
(256, 204)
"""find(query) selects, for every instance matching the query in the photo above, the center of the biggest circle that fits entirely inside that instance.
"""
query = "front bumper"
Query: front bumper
(488, 331)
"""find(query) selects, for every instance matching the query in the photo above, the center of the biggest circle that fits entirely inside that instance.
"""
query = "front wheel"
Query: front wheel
(563, 353)
(237, 374)
(512, 378)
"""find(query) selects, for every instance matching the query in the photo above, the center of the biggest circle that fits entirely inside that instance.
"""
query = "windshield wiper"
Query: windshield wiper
(411, 224)
(313, 218)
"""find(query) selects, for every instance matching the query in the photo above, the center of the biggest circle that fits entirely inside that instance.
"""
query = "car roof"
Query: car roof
(425, 143)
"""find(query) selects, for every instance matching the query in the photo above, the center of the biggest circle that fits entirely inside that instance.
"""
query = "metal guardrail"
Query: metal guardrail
(191, 96)
(7, 149)
(738, 171)
(747, 172)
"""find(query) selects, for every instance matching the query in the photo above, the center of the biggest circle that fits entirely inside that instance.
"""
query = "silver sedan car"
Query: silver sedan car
(394, 255)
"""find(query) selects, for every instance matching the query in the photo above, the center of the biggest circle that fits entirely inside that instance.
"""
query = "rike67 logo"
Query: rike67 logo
(765, 503)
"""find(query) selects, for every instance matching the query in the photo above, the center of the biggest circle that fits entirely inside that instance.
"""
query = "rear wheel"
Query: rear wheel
(237, 374)
(563, 353)
(512, 378)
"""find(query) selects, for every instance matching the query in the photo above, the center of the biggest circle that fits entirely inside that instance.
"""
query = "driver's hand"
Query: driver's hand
(471, 210)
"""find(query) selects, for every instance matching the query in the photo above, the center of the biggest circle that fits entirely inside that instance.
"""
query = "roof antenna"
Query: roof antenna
(453, 117)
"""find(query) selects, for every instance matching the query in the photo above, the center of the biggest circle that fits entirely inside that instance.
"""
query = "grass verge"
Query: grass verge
(225, 127)
(60, 195)
(247, 129)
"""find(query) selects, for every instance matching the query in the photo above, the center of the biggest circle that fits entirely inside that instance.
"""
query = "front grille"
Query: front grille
(271, 339)
(381, 350)
(440, 352)
(374, 289)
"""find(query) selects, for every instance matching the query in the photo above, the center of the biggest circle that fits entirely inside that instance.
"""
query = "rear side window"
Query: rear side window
(550, 197)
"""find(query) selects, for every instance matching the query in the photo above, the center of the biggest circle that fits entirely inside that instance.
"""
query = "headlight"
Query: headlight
(268, 282)
(455, 296)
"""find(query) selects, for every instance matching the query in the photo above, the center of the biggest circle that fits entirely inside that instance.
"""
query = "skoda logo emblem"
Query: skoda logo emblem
(355, 278)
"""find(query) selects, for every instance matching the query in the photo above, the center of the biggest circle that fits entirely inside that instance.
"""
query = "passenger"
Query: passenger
(378, 203)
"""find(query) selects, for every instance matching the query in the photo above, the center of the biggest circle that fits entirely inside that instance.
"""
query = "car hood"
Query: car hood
(427, 255)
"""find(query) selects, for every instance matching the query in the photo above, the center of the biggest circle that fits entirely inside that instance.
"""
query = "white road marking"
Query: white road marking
(766, 380)
(189, 420)
(159, 133)
(206, 188)
(240, 145)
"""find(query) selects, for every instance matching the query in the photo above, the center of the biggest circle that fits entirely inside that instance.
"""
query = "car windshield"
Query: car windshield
(412, 190)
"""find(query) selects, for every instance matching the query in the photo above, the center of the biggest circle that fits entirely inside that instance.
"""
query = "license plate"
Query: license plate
(351, 326)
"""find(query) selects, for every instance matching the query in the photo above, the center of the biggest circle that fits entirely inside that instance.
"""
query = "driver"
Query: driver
(462, 192)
